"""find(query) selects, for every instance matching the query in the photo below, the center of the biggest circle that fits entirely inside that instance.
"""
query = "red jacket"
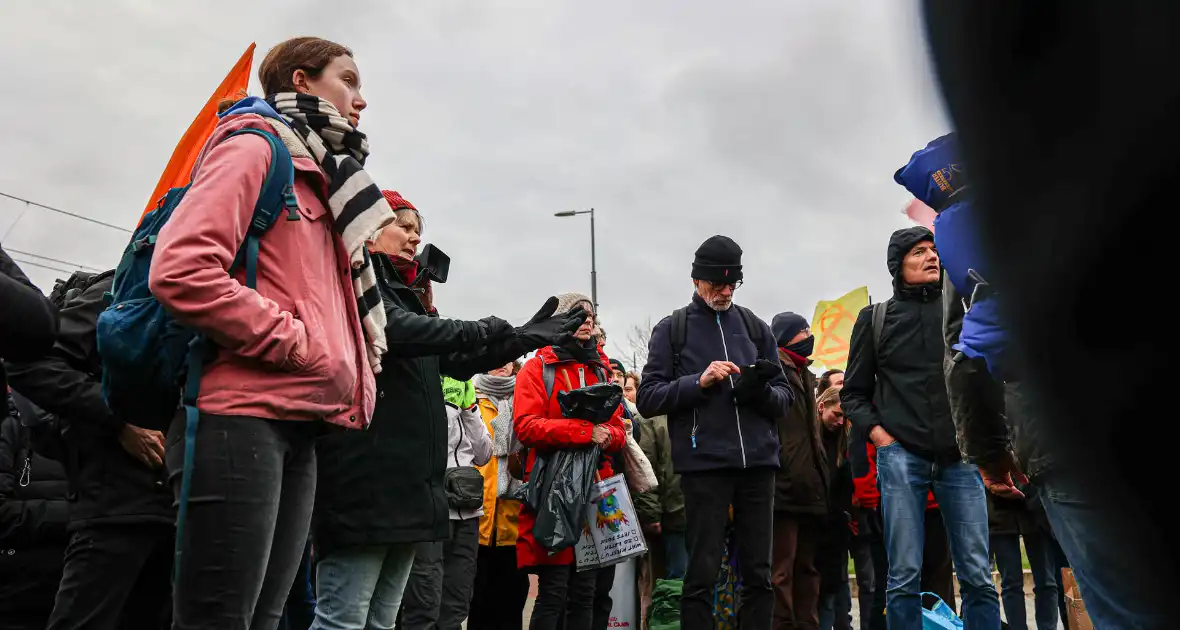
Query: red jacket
(539, 425)
(866, 494)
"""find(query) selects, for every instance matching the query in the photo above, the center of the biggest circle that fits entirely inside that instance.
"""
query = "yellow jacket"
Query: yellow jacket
(498, 522)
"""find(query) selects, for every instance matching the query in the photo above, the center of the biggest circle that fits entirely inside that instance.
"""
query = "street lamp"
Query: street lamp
(593, 255)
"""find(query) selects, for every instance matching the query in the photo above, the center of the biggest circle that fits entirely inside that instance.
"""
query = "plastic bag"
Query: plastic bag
(558, 491)
(596, 403)
(940, 616)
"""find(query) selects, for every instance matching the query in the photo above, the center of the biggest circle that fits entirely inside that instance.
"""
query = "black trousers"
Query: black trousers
(501, 590)
(565, 598)
(249, 514)
(602, 601)
(707, 497)
(116, 576)
(438, 593)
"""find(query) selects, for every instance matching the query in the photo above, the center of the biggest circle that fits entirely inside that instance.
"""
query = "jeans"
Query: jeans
(707, 498)
(438, 593)
(796, 580)
(675, 555)
(1006, 548)
(115, 576)
(565, 598)
(501, 591)
(300, 609)
(1109, 575)
(835, 610)
(253, 488)
(361, 587)
(904, 480)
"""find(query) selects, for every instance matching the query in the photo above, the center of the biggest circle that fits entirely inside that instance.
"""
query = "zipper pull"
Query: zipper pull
(694, 441)
(26, 473)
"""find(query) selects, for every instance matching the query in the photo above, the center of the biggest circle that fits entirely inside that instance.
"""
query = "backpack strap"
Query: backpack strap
(548, 376)
(277, 194)
(753, 328)
(679, 337)
(878, 323)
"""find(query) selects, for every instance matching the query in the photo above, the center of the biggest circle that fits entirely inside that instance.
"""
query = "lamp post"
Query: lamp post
(593, 254)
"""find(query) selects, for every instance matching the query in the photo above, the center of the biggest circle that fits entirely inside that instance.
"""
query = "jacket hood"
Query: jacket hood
(900, 244)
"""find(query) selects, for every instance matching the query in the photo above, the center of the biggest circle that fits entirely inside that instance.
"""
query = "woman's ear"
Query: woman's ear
(299, 80)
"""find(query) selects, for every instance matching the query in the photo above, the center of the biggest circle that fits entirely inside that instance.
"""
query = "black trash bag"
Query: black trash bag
(558, 490)
(596, 403)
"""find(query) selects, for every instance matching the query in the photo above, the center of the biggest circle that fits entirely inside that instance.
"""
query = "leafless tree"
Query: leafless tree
(636, 344)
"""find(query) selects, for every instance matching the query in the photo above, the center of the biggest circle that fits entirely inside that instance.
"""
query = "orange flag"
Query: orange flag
(180, 165)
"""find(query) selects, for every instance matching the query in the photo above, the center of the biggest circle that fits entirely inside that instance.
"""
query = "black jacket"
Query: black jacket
(831, 555)
(28, 322)
(384, 485)
(727, 437)
(900, 384)
(111, 486)
(801, 486)
(33, 519)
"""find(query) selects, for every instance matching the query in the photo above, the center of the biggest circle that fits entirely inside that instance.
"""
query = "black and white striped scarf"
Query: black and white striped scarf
(358, 208)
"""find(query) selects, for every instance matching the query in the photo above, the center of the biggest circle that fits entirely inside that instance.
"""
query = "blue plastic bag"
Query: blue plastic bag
(940, 616)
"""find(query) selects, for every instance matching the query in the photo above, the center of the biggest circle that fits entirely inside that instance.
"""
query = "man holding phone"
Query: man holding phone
(713, 369)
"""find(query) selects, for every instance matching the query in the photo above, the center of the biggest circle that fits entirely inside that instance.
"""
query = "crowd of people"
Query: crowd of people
(355, 460)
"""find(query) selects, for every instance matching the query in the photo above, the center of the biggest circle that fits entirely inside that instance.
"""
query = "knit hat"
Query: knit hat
(396, 201)
(785, 326)
(617, 366)
(719, 260)
(567, 301)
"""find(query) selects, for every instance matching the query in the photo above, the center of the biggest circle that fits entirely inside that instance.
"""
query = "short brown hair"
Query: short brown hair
(633, 376)
(309, 54)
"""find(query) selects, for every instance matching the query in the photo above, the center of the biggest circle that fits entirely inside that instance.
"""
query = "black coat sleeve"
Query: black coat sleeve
(860, 379)
(464, 365)
(29, 521)
(780, 395)
(59, 381)
(411, 335)
(28, 322)
(976, 399)
(660, 393)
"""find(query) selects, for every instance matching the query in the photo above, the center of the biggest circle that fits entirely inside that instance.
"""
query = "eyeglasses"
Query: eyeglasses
(721, 285)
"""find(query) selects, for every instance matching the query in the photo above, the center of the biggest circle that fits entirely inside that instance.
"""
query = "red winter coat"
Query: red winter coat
(866, 494)
(539, 425)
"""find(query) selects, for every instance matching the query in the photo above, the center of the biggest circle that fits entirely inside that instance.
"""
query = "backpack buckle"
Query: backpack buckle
(291, 203)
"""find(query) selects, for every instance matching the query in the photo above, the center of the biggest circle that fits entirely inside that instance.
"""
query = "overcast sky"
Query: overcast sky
(778, 123)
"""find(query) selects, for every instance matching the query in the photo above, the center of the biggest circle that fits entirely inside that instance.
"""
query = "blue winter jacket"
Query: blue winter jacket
(727, 436)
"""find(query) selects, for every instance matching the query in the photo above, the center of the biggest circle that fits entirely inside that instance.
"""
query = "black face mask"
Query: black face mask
(803, 348)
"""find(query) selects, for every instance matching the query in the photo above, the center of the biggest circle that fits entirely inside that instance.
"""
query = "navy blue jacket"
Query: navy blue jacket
(727, 436)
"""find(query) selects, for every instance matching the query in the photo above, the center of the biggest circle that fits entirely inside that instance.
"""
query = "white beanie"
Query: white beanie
(567, 301)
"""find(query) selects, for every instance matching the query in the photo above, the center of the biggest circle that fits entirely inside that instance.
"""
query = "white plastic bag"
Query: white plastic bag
(640, 475)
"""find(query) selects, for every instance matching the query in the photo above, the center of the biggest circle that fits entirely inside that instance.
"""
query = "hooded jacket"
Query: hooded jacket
(469, 443)
(899, 384)
(708, 429)
(28, 322)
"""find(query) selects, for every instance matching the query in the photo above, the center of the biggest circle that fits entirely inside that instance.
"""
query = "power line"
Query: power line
(51, 259)
(68, 214)
(36, 264)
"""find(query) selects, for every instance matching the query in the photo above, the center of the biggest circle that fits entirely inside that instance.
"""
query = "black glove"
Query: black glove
(495, 329)
(545, 329)
(752, 384)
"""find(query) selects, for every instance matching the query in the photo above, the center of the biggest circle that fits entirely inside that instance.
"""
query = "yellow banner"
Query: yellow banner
(832, 327)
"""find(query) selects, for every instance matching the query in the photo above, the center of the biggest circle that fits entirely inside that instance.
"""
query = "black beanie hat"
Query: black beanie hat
(719, 260)
(616, 364)
(785, 326)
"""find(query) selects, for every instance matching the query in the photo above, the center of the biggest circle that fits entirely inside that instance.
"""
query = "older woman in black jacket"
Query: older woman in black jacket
(380, 491)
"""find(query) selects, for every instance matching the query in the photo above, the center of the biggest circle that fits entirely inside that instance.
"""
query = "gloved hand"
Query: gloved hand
(546, 329)
(752, 384)
(496, 329)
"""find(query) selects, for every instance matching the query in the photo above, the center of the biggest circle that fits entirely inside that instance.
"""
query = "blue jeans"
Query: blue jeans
(1006, 548)
(835, 609)
(675, 555)
(1110, 576)
(904, 480)
(361, 587)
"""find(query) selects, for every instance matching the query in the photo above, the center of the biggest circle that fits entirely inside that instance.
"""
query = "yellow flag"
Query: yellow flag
(832, 327)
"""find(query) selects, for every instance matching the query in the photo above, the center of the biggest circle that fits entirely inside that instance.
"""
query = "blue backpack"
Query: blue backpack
(148, 357)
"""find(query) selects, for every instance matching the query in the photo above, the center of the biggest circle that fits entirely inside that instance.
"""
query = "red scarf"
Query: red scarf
(800, 362)
(408, 270)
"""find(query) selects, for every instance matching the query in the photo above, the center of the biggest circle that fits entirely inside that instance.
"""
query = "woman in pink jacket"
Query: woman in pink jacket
(296, 351)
